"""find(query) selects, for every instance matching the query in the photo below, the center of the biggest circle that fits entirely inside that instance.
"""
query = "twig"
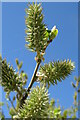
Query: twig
(48, 42)
(33, 78)
(11, 102)
(31, 83)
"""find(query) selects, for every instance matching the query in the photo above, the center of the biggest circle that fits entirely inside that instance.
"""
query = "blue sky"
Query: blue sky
(65, 46)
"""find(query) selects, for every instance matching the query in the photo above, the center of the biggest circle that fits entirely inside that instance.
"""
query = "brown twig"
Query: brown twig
(48, 42)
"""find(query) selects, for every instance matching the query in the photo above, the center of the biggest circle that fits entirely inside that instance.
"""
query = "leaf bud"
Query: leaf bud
(54, 32)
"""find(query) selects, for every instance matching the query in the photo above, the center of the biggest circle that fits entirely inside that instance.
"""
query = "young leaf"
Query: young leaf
(53, 33)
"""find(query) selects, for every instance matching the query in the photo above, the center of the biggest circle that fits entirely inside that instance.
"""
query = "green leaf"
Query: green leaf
(54, 33)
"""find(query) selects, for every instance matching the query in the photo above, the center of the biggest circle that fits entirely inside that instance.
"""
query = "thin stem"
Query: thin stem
(33, 77)
(48, 42)
(11, 102)
(31, 83)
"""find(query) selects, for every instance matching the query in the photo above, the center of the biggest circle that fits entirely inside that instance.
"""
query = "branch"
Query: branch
(31, 83)
(33, 77)
(11, 102)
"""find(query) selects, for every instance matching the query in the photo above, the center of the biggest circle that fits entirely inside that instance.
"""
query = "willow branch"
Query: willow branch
(31, 83)
(33, 78)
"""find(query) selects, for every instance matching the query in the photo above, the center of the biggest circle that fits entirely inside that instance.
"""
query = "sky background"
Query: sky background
(65, 45)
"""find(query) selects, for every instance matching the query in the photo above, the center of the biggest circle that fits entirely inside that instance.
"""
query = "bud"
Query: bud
(73, 85)
(52, 102)
(42, 53)
(36, 58)
(54, 32)
(20, 65)
(24, 82)
(13, 98)
(77, 83)
(17, 62)
(54, 28)
(23, 74)
(75, 96)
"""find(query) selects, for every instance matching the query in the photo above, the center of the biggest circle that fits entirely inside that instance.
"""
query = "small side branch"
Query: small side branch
(11, 102)
(48, 42)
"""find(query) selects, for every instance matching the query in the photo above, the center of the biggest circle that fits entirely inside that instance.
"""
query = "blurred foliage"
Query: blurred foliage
(12, 80)
(1, 112)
